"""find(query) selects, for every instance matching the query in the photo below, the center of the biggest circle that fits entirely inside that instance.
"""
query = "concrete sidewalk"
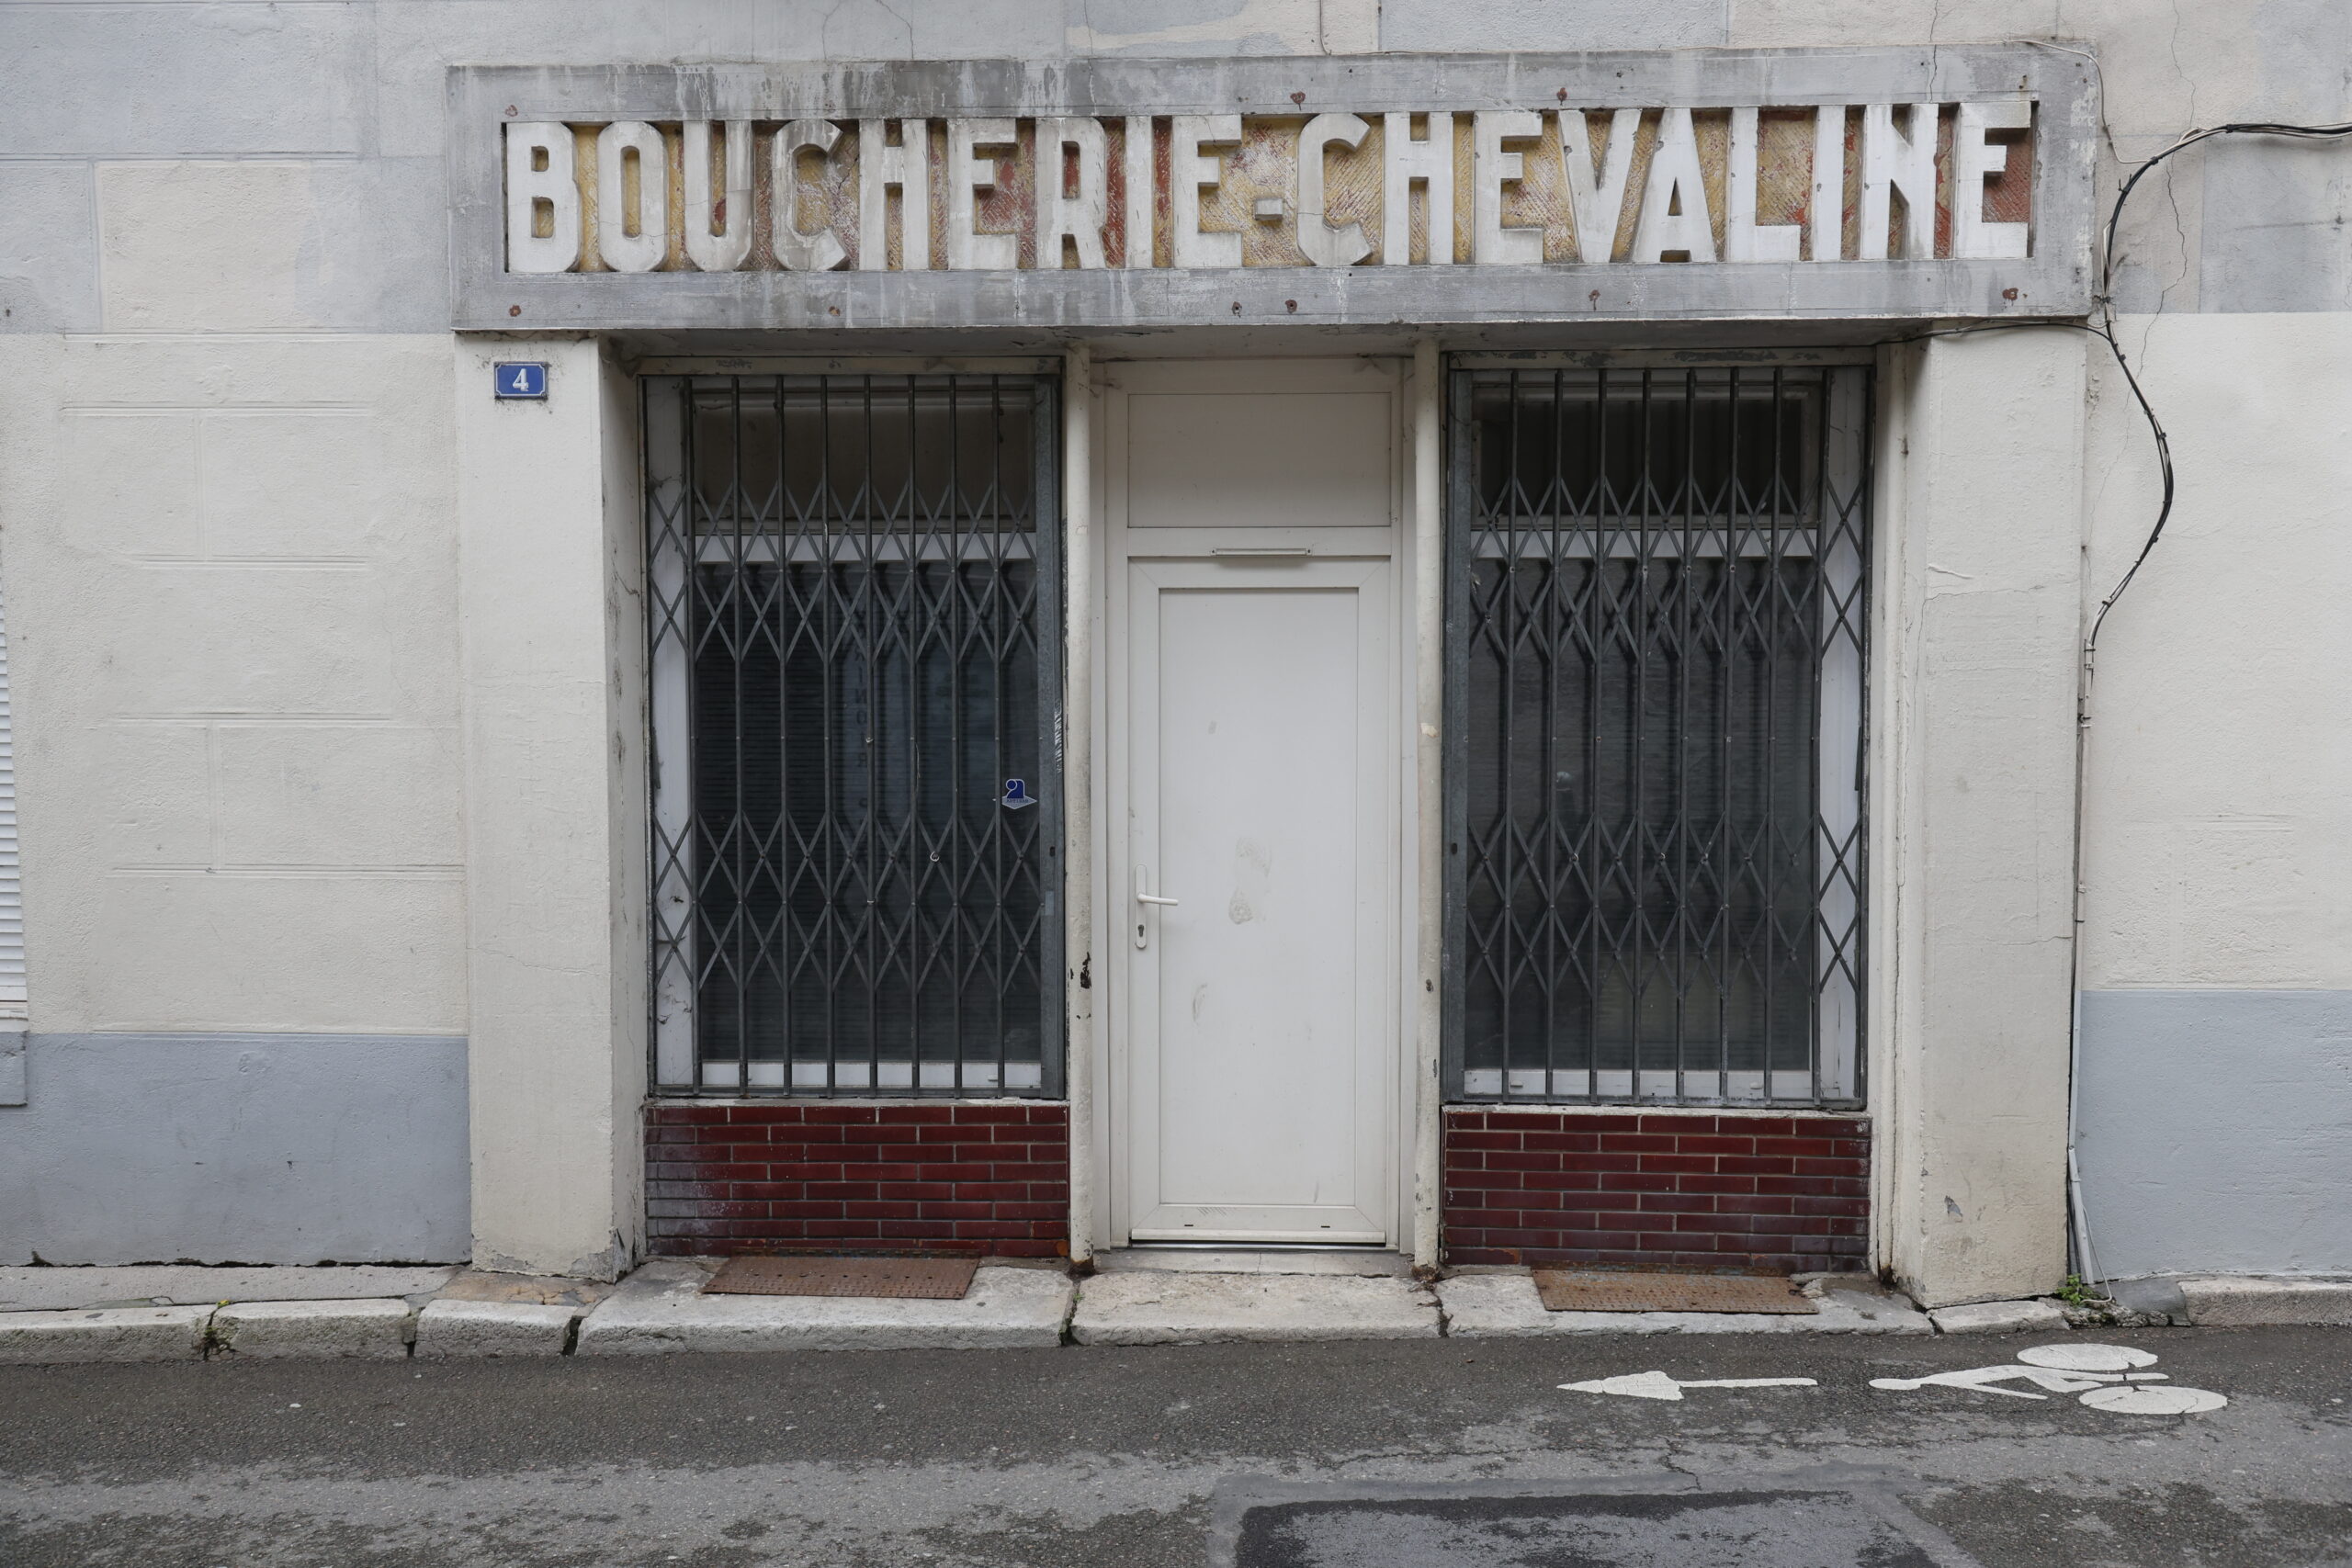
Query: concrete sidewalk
(1139, 1296)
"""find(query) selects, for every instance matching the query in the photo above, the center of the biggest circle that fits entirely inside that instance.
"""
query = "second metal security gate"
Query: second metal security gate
(855, 615)
(1657, 643)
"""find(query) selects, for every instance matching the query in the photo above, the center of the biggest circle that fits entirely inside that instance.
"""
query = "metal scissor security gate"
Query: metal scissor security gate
(853, 601)
(1657, 649)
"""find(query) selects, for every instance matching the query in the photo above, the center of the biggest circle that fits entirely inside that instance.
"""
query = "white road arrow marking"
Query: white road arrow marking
(1658, 1385)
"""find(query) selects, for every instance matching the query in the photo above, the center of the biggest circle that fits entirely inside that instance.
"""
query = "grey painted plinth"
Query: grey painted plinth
(2000, 1317)
(115, 1334)
(460, 1328)
(1152, 1307)
(1505, 1306)
(2245, 1302)
(660, 1309)
(239, 1149)
(371, 1329)
(2213, 1130)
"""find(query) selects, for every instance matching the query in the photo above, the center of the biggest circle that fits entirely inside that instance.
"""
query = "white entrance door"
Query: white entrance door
(1255, 801)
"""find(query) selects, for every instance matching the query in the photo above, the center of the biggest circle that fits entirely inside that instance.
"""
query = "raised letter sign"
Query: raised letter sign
(542, 199)
(718, 233)
(1314, 191)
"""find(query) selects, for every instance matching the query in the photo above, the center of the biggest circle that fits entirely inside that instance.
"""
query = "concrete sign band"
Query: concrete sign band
(1372, 190)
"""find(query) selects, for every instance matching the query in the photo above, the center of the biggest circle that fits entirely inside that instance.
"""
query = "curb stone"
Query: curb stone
(2000, 1317)
(2250, 1301)
(1482, 1306)
(454, 1329)
(104, 1334)
(378, 1329)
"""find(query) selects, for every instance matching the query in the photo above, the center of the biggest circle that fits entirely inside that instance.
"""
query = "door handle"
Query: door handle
(1143, 881)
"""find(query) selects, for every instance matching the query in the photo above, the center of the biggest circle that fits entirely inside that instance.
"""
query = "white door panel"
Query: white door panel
(1258, 460)
(1253, 709)
(1259, 711)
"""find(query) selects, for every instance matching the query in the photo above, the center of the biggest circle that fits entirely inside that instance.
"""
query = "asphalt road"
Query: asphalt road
(1104, 1458)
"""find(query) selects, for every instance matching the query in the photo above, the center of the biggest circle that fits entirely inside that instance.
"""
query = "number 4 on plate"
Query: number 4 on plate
(527, 379)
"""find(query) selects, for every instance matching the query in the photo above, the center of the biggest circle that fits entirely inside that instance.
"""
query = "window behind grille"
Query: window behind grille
(1657, 639)
(855, 637)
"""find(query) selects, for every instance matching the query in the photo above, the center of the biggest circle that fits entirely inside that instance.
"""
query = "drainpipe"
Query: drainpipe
(1078, 786)
(1429, 774)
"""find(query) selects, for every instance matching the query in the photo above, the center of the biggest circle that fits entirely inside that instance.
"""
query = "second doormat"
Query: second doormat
(1565, 1289)
(914, 1278)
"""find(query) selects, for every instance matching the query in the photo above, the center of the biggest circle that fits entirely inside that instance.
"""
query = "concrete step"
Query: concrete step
(660, 1309)
(1255, 1260)
(1153, 1306)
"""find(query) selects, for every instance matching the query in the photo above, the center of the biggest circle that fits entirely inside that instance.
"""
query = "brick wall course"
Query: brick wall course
(824, 1176)
(1647, 1188)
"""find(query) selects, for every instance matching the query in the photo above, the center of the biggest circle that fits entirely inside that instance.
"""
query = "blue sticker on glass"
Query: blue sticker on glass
(1016, 794)
(520, 380)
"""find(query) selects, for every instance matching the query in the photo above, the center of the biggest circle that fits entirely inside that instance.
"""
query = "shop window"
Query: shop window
(856, 634)
(1658, 640)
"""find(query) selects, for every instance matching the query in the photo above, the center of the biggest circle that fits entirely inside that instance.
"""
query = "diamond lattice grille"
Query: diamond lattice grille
(1657, 650)
(854, 610)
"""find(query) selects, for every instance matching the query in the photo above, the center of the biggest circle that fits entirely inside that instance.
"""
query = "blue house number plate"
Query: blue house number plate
(522, 380)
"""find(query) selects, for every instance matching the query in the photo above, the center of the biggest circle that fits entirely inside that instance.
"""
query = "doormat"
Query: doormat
(1585, 1292)
(919, 1279)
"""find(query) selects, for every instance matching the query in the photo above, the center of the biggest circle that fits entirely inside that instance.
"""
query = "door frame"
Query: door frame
(1114, 546)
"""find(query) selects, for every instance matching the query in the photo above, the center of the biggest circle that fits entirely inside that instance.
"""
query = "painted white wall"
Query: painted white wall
(2218, 848)
(231, 571)
(553, 637)
(1973, 704)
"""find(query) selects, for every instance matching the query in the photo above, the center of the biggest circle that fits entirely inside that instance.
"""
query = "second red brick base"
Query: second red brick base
(1540, 1185)
(1675, 1190)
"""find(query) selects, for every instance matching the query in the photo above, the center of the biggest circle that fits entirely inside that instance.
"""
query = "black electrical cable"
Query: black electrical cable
(2105, 329)
(2087, 1257)
(2107, 316)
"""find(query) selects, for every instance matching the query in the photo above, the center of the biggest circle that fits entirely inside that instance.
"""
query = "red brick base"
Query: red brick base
(897, 1176)
(1673, 1189)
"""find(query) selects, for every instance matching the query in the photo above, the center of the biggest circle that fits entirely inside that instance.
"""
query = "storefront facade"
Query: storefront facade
(1357, 645)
